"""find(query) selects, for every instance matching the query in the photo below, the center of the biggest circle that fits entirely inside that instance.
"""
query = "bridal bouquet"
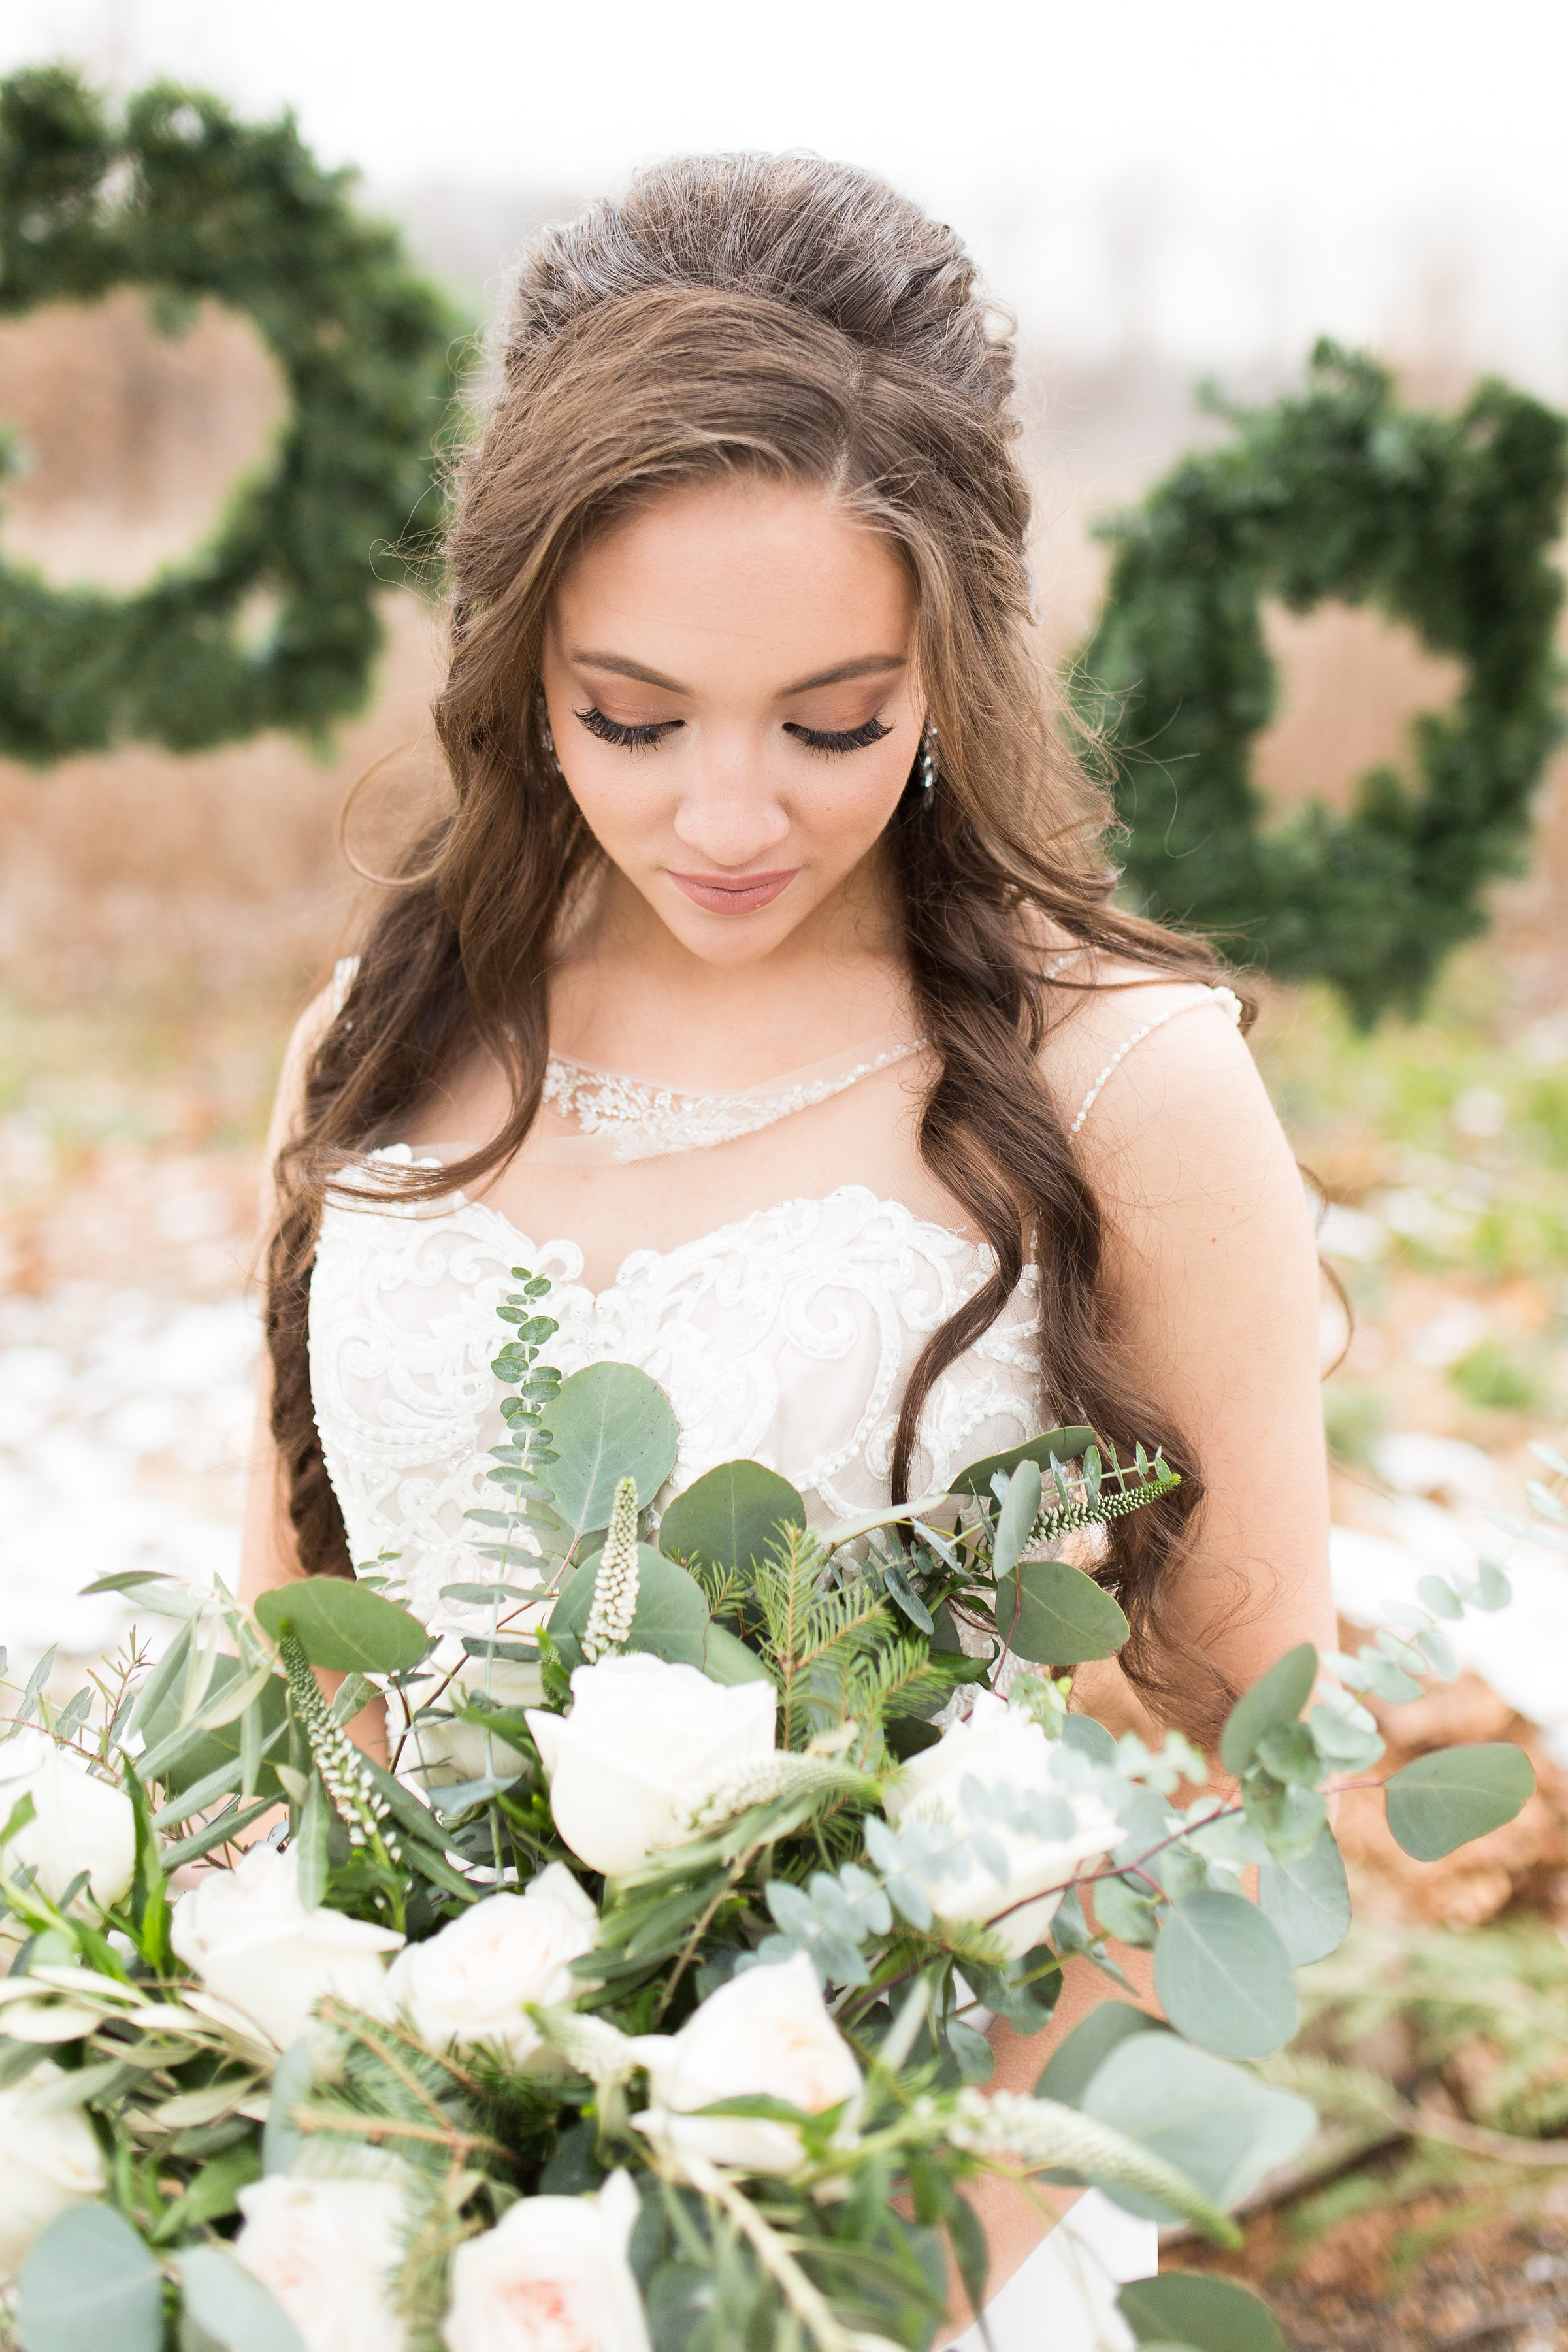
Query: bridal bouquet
(641, 2005)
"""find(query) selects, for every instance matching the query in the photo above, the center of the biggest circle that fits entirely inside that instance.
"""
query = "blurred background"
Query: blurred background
(1159, 196)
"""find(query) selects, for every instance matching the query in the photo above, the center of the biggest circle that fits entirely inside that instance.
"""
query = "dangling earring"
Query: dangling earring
(547, 732)
(925, 759)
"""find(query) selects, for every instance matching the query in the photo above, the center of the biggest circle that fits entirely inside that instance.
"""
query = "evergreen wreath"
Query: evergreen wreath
(1444, 523)
(186, 202)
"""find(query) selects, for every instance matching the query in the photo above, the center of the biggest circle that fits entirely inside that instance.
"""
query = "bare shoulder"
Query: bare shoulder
(1159, 1089)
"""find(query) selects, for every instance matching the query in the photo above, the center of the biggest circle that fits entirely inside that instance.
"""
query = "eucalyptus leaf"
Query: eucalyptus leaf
(1308, 1900)
(670, 1619)
(1277, 1698)
(290, 2088)
(1078, 2058)
(1445, 1800)
(609, 1421)
(731, 1517)
(89, 2282)
(1015, 1517)
(726, 1659)
(1090, 1739)
(1217, 2122)
(1210, 2315)
(344, 1626)
(233, 2309)
(1053, 1614)
(1064, 1443)
(1223, 1976)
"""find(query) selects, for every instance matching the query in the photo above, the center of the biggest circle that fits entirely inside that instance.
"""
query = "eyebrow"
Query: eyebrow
(867, 665)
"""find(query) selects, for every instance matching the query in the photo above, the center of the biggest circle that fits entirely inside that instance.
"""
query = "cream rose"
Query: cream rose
(466, 1748)
(645, 1745)
(468, 1982)
(80, 1822)
(327, 2250)
(48, 2160)
(247, 1936)
(766, 2032)
(1001, 1749)
(551, 2276)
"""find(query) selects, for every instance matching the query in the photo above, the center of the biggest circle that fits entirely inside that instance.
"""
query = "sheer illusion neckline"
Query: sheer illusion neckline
(623, 1117)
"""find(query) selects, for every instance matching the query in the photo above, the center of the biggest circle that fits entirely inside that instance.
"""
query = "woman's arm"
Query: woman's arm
(1214, 1273)
(1213, 1269)
(269, 1557)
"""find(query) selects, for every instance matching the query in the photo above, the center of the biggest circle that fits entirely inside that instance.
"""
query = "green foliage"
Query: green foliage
(188, 203)
(607, 1422)
(1210, 2315)
(902, 1899)
(1223, 1976)
(1496, 1378)
(1053, 1444)
(1054, 1614)
(344, 1626)
(1215, 2122)
(1308, 1900)
(1445, 1800)
(731, 1517)
(1446, 524)
(1275, 1700)
(232, 2310)
(670, 1619)
(90, 2281)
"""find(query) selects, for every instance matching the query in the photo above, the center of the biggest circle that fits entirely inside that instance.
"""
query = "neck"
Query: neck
(627, 994)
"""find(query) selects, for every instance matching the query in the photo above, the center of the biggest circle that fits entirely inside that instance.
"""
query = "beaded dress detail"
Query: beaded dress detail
(786, 1336)
(643, 1122)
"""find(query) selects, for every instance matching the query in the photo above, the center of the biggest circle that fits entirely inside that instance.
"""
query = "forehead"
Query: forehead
(778, 577)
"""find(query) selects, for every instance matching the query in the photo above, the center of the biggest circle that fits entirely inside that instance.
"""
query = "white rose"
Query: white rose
(551, 2276)
(80, 1822)
(466, 1748)
(47, 2160)
(1000, 1748)
(257, 1897)
(250, 1939)
(765, 2034)
(327, 2250)
(468, 1982)
(645, 1746)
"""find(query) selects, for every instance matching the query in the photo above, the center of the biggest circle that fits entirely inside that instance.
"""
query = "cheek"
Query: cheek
(622, 795)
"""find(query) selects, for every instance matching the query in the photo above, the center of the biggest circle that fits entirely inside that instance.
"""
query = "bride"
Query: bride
(764, 987)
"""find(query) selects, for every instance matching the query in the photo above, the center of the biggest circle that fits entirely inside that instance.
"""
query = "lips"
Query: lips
(743, 895)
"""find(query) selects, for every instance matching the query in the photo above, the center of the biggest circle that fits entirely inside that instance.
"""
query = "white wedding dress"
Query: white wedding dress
(786, 1335)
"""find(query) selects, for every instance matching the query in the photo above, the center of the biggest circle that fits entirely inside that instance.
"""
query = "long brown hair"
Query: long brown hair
(800, 320)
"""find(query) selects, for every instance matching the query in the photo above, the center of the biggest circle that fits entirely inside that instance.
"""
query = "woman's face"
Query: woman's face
(730, 682)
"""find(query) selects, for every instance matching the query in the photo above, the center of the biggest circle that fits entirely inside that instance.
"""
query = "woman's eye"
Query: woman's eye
(626, 739)
(854, 738)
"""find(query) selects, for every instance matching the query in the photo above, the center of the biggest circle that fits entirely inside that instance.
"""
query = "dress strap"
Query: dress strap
(1226, 999)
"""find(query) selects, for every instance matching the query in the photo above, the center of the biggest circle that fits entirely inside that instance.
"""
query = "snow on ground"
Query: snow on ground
(124, 1429)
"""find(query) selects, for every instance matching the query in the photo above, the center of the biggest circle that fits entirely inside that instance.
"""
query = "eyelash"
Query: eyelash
(645, 739)
(855, 739)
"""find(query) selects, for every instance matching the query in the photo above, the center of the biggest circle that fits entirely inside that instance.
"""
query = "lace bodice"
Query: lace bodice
(786, 1336)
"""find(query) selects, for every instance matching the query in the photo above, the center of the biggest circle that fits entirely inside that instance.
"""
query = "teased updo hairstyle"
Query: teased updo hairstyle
(798, 320)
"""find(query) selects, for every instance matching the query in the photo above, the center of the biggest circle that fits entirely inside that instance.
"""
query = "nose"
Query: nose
(730, 815)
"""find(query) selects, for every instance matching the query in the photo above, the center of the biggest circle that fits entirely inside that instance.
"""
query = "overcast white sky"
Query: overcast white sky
(1239, 173)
